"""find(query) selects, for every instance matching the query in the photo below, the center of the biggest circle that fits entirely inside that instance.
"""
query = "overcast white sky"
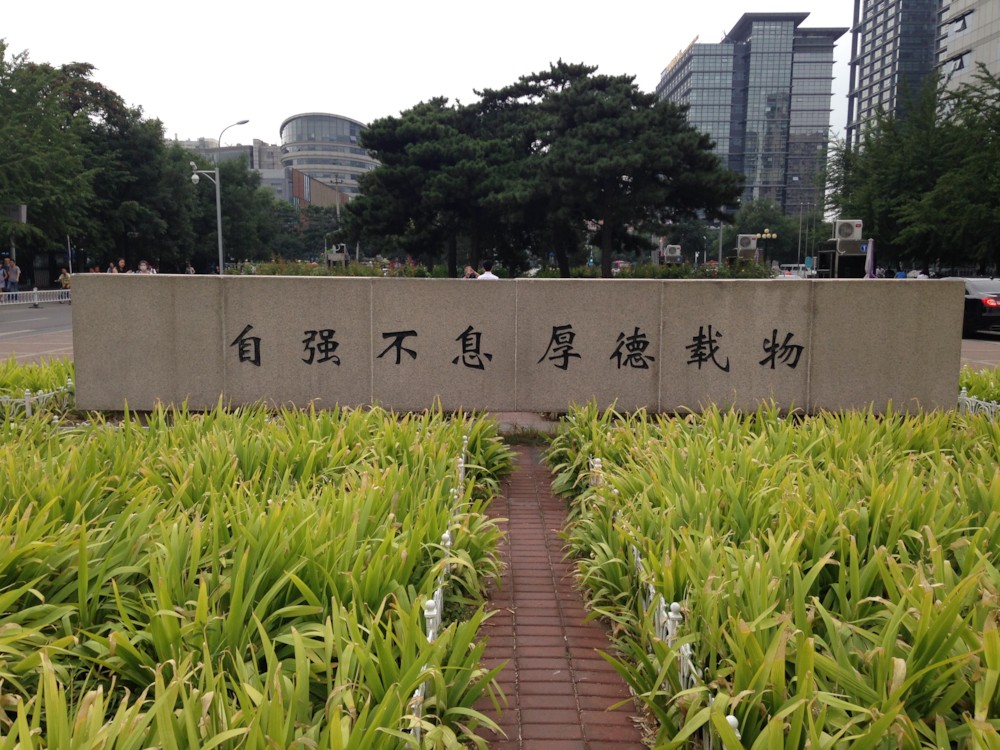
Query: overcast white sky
(199, 66)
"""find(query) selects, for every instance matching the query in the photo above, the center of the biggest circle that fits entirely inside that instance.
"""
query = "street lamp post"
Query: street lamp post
(213, 175)
(764, 236)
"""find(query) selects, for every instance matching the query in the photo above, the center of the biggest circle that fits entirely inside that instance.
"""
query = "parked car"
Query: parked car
(982, 306)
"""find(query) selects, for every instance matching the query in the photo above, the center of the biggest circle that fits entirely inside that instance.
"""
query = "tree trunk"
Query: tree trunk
(453, 256)
(562, 258)
(475, 244)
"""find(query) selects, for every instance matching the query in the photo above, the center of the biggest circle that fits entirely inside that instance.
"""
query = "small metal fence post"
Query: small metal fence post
(596, 473)
(434, 607)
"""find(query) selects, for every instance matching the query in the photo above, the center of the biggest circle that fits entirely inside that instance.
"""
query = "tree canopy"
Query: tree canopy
(556, 164)
(925, 184)
(535, 166)
(97, 173)
(42, 159)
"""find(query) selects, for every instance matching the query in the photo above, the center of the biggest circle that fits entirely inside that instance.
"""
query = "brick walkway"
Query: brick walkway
(558, 687)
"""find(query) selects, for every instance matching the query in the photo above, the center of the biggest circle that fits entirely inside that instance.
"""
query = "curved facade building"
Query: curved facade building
(325, 147)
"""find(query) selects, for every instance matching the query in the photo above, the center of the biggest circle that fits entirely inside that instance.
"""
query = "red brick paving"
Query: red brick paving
(559, 690)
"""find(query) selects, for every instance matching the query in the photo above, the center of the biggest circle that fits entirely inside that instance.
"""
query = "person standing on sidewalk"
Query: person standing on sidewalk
(13, 274)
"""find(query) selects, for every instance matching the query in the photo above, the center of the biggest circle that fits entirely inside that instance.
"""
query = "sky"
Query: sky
(201, 66)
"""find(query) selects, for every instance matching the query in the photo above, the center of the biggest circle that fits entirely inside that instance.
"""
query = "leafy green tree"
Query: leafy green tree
(143, 207)
(922, 183)
(392, 206)
(694, 235)
(42, 159)
(89, 167)
(317, 229)
(753, 217)
(429, 189)
(600, 151)
(285, 231)
(255, 224)
(241, 220)
(530, 167)
(957, 220)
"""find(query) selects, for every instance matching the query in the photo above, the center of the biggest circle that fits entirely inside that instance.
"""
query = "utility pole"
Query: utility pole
(798, 257)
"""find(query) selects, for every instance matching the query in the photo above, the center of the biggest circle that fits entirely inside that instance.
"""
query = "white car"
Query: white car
(795, 270)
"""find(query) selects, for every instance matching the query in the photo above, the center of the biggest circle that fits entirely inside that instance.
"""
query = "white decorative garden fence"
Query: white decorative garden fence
(667, 622)
(434, 606)
(29, 402)
(971, 405)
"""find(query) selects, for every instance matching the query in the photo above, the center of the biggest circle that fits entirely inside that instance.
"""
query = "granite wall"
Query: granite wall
(525, 345)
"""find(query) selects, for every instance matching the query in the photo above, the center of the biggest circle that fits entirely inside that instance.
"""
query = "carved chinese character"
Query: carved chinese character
(634, 354)
(561, 346)
(325, 348)
(397, 344)
(248, 347)
(471, 355)
(704, 347)
(788, 353)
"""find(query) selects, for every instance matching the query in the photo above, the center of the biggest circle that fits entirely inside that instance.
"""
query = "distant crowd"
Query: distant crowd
(143, 267)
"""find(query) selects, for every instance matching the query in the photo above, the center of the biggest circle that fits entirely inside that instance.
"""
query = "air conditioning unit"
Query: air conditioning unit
(847, 229)
(746, 242)
(672, 251)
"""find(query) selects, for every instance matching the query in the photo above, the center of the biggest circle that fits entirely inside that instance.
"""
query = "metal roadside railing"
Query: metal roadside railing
(27, 403)
(971, 405)
(36, 298)
(434, 606)
(667, 622)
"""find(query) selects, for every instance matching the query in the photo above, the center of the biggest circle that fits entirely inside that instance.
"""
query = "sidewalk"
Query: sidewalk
(559, 689)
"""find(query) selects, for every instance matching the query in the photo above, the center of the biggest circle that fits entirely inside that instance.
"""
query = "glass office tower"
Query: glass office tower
(763, 94)
(893, 48)
(969, 37)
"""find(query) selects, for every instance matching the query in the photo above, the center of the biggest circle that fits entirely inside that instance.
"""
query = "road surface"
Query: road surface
(30, 334)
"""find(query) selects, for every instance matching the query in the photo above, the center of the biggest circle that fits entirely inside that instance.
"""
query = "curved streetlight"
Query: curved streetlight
(213, 175)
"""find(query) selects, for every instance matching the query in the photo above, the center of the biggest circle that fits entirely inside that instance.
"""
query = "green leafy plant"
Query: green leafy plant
(838, 573)
(982, 384)
(243, 578)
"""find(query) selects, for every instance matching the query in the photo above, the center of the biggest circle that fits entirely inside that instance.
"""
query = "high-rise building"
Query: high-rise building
(969, 37)
(259, 155)
(763, 95)
(893, 49)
